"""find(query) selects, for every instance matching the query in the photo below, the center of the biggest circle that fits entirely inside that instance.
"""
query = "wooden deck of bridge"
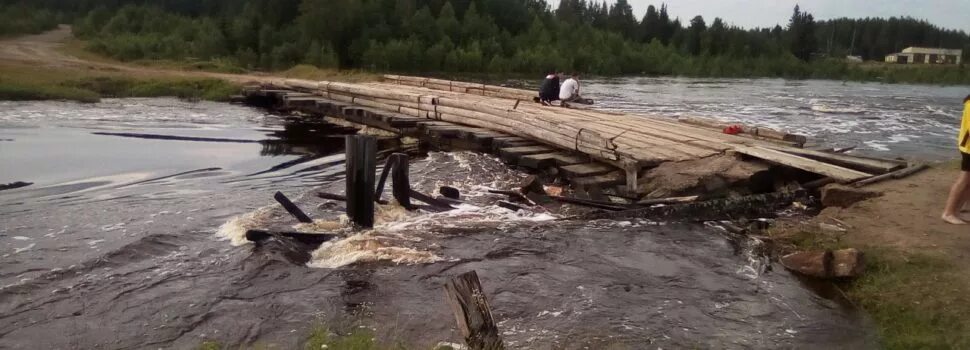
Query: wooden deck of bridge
(633, 142)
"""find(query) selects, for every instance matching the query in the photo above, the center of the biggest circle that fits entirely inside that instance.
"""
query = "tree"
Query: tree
(448, 23)
(621, 19)
(694, 34)
(801, 33)
(650, 26)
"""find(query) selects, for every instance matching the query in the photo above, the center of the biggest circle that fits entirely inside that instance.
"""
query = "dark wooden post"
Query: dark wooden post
(292, 208)
(361, 170)
(472, 312)
(384, 173)
(402, 182)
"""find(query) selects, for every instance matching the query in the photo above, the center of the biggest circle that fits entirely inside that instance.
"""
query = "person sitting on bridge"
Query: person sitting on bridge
(549, 90)
(569, 91)
(960, 193)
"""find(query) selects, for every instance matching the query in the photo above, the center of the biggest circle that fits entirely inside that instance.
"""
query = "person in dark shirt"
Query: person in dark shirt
(549, 90)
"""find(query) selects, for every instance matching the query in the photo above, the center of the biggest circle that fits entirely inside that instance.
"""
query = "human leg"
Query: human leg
(958, 196)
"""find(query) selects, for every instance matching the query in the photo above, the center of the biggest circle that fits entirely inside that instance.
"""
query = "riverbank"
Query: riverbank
(53, 66)
(918, 269)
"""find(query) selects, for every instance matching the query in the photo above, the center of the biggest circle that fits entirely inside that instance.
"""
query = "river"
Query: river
(130, 235)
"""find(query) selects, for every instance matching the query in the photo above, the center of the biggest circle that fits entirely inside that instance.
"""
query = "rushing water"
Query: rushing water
(916, 121)
(131, 234)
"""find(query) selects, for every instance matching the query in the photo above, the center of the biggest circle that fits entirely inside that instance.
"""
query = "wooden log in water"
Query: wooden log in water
(590, 203)
(670, 200)
(472, 312)
(304, 237)
(449, 192)
(292, 208)
(434, 202)
(361, 168)
(511, 206)
(14, 185)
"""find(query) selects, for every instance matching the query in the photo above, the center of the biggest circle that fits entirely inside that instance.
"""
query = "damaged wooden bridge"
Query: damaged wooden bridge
(586, 146)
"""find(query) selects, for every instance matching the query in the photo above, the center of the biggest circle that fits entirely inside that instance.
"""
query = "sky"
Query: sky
(952, 14)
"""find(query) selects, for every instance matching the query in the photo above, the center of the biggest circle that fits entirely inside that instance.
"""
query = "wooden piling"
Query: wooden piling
(361, 170)
(472, 312)
(402, 183)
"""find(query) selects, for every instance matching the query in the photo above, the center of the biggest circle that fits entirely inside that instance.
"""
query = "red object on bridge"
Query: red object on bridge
(732, 130)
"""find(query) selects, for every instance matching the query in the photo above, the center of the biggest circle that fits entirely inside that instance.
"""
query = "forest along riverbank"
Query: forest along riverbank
(137, 219)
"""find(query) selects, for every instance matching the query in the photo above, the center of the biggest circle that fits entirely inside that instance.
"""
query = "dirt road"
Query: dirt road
(46, 50)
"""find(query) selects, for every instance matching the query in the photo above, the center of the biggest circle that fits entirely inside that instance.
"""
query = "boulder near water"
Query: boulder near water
(827, 264)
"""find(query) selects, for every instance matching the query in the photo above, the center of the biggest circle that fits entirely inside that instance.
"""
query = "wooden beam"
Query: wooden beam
(899, 174)
(809, 165)
(844, 160)
(292, 208)
(361, 168)
(586, 169)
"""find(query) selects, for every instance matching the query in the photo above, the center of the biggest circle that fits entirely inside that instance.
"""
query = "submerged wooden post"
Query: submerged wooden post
(361, 169)
(474, 316)
(402, 183)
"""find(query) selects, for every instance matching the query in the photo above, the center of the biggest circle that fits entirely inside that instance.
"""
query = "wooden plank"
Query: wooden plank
(844, 160)
(585, 169)
(300, 101)
(448, 131)
(610, 179)
(523, 151)
(402, 121)
(548, 160)
(809, 165)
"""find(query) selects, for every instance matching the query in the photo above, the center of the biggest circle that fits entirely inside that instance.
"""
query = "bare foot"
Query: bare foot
(953, 219)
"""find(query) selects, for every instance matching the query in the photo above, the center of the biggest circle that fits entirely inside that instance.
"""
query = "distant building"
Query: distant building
(922, 55)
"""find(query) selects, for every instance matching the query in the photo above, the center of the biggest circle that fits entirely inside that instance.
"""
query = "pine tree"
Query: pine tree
(801, 33)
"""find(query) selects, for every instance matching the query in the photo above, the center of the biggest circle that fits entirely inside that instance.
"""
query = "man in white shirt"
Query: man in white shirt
(569, 90)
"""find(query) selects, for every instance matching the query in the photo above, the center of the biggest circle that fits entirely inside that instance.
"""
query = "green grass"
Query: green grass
(206, 89)
(18, 82)
(20, 91)
(915, 301)
(358, 339)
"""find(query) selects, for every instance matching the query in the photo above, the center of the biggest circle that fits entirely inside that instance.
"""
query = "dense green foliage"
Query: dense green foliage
(22, 19)
(496, 36)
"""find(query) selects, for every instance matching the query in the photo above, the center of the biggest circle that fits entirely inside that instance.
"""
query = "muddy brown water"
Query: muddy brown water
(128, 242)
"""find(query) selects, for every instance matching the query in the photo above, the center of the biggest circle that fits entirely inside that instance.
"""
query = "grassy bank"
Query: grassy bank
(21, 82)
(917, 281)
(916, 300)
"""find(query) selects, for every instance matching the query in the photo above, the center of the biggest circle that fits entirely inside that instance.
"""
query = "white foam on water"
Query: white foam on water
(397, 234)
(21, 238)
(24, 249)
(235, 229)
(369, 246)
